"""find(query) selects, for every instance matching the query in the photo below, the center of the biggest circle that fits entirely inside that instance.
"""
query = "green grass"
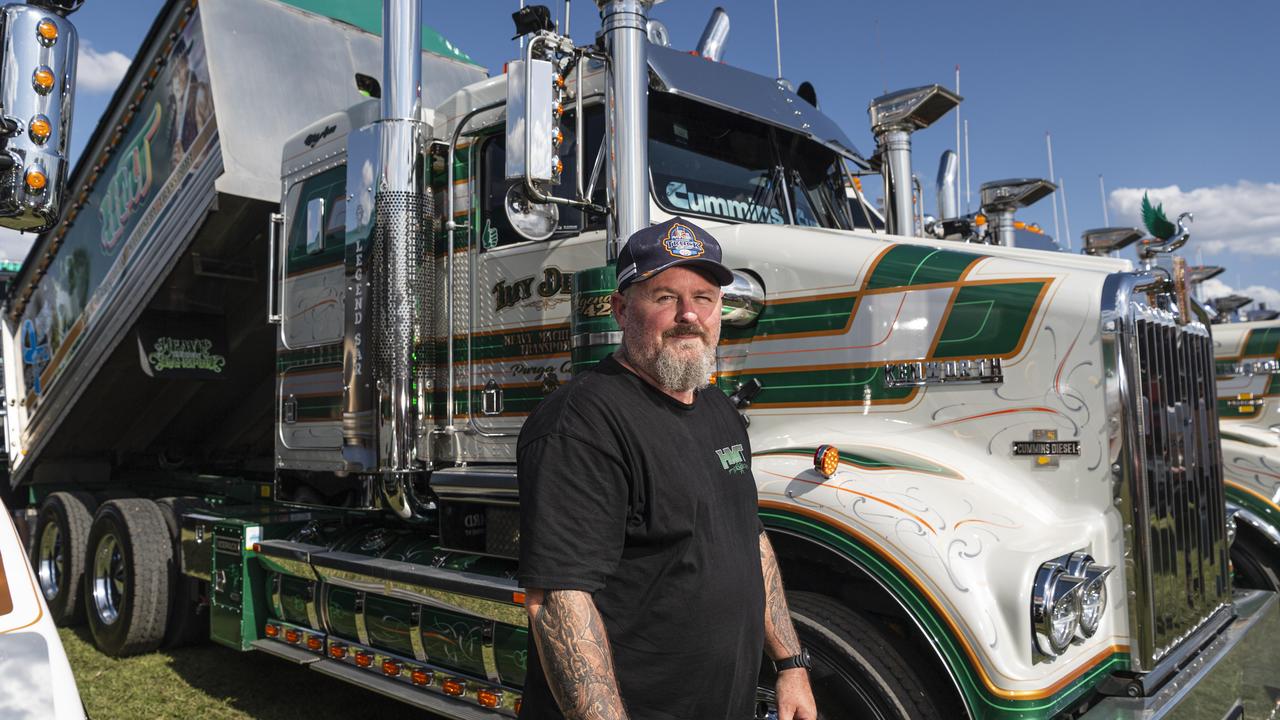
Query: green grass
(211, 682)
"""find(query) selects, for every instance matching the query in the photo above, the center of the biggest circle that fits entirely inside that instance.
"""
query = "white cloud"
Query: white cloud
(98, 71)
(1241, 218)
(1261, 294)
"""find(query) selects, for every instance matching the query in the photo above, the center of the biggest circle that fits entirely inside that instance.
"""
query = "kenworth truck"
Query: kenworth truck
(267, 371)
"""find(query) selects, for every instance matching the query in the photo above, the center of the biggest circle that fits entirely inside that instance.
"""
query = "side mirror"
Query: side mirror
(37, 89)
(531, 121)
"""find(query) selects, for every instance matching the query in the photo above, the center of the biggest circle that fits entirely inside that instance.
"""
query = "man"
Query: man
(651, 587)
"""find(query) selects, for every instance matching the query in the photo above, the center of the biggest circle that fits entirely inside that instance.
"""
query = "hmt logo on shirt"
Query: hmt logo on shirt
(731, 459)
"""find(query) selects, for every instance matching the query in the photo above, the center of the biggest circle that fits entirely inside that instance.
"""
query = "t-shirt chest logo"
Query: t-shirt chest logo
(682, 243)
(732, 459)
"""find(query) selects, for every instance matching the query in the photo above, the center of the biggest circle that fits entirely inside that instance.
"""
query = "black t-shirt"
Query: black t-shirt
(649, 505)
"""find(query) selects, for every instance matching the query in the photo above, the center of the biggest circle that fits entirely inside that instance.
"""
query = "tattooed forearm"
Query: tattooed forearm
(779, 635)
(574, 648)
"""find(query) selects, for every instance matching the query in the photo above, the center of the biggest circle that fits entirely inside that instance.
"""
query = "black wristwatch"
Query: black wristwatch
(795, 661)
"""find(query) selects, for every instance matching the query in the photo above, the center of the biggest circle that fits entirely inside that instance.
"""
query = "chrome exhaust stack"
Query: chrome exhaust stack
(893, 118)
(1001, 198)
(711, 44)
(948, 190)
(624, 28)
(390, 287)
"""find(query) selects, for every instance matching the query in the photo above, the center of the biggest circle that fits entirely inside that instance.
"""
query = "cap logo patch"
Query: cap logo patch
(682, 243)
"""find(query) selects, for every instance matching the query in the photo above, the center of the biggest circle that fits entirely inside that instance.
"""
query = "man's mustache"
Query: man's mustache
(685, 332)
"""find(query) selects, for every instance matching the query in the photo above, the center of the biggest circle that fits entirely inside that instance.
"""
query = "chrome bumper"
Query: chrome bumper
(1236, 676)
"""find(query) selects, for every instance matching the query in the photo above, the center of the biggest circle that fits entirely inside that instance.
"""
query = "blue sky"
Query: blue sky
(1176, 97)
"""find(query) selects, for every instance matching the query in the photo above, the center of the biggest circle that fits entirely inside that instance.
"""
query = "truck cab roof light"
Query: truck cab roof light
(271, 630)
(489, 698)
(39, 129)
(390, 668)
(421, 678)
(36, 179)
(43, 80)
(454, 687)
(364, 659)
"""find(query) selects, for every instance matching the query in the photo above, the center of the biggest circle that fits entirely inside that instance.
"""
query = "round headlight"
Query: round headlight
(1055, 609)
(1093, 591)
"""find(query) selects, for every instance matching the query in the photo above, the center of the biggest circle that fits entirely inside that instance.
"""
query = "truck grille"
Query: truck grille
(1173, 493)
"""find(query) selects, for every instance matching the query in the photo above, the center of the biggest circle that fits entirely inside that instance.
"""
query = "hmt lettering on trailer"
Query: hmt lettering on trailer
(130, 184)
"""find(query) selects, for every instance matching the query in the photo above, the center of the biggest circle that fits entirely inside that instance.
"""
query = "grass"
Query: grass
(211, 682)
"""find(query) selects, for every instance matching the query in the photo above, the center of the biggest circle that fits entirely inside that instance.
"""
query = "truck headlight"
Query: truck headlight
(1092, 592)
(1055, 608)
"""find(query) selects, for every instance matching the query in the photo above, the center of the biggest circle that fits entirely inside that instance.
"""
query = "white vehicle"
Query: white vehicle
(276, 351)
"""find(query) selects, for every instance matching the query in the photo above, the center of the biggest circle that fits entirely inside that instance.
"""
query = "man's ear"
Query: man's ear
(618, 304)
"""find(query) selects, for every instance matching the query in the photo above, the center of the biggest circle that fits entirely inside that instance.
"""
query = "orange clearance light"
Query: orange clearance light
(453, 687)
(314, 643)
(489, 698)
(979, 219)
(364, 659)
(271, 630)
(42, 80)
(292, 636)
(517, 598)
(39, 129)
(390, 668)
(1019, 225)
(557, 137)
(47, 31)
(519, 702)
(36, 179)
(337, 652)
(826, 460)
(421, 678)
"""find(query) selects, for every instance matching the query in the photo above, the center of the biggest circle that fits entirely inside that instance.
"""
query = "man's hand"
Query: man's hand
(795, 697)
(574, 648)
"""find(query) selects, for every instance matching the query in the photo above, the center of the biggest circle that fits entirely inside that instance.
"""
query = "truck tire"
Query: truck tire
(188, 622)
(1255, 563)
(58, 553)
(857, 672)
(127, 577)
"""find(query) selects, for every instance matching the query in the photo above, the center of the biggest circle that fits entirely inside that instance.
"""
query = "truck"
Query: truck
(1248, 368)
(266, 372)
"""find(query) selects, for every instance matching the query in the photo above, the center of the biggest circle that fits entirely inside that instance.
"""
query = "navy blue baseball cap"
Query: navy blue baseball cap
(677, 241)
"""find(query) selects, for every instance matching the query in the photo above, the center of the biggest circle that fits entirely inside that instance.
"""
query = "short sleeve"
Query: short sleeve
(573, 510)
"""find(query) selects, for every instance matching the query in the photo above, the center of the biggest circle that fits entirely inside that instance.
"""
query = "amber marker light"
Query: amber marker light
(292, 636)
(36, 179)
(364, 659)
(488, 698)
(421, 678)
(453, 687)
(390, 668)
(271, 630)
(47, 31)
(337, 652)
(519, 702)
(314, 643)
(517, 598)
(39, 129)
(826, 460)
(979, 219)
(42, 80)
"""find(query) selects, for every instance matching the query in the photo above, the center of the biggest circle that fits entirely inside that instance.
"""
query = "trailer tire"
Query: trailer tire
(1255, 562)
(857, 672)
(127, 577)
(188, 622)
(58, 552)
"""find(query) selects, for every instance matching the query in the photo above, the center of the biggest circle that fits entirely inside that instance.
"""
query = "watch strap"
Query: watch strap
(795, 661)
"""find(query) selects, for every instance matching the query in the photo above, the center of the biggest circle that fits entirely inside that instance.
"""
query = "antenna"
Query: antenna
(1048, 141)
(522, 36)
(968, 192)
(1066, 218)
(958, 109)
(777, 38)
(1102, 190)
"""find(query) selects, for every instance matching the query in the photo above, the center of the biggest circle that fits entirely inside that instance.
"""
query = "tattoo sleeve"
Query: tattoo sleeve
(780, 639)
(574, 648)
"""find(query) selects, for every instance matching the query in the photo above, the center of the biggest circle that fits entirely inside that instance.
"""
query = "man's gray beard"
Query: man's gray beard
(672, 371)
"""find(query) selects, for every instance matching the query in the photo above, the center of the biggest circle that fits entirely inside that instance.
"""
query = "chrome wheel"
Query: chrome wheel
(50, 568)
(108, 579)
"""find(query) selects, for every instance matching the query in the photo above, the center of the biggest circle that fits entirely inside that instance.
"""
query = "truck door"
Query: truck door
(310, 344)
(518, 346)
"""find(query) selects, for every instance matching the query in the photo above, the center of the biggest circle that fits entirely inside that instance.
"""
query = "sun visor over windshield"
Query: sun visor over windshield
(746, 93)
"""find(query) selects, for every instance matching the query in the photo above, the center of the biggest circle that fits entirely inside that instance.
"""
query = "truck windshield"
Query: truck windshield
(712, 163)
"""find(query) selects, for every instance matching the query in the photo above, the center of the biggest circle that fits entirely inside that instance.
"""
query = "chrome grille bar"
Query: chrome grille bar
(1168, 465)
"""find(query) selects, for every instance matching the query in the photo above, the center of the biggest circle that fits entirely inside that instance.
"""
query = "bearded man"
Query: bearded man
(651, 588)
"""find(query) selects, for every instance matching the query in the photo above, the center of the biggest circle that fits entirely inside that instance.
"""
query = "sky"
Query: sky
(1176, 99)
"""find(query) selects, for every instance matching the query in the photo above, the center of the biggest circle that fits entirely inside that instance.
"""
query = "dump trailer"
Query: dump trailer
(267, 371)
